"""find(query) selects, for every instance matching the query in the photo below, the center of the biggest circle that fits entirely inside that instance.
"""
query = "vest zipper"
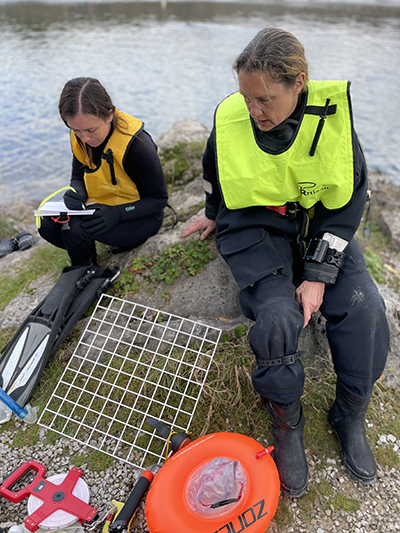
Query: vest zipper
(319, 128)
(108, 156)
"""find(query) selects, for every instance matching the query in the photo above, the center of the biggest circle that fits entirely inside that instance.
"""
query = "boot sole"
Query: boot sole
(355, 475)
(294, 493)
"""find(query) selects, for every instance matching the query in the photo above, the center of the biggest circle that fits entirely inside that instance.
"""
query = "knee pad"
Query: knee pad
(276, 330)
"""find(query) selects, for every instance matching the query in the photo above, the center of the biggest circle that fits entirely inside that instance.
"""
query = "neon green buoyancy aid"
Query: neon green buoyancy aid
(251, 177)
(108, 182)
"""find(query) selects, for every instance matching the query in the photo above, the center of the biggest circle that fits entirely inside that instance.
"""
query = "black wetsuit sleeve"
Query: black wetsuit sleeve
(77, 181)
(143, 166)
(212, 190)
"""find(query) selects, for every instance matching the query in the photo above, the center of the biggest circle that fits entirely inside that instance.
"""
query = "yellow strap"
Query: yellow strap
(169, 441)
(39, 215)
(118, 506)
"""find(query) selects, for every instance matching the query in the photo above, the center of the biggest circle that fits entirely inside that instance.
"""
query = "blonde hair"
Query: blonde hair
(277, 52)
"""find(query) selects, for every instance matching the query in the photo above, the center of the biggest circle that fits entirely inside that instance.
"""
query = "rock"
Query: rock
(18, 309)
(389, 223)
(391, 374)
(184, 131)
(212, 294)
(385, 199)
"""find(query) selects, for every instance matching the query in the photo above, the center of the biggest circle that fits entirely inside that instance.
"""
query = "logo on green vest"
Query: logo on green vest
(305, 187)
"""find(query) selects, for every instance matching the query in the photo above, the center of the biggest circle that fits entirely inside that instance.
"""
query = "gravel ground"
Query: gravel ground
(379, 503)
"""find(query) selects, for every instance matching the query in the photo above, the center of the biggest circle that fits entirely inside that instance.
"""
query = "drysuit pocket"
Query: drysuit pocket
(250, 254)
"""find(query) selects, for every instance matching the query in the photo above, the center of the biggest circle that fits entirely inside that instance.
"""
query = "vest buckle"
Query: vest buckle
(289, 209)
(281, 209)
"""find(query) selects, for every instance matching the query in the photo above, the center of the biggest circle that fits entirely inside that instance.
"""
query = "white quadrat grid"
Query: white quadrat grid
(132, 362)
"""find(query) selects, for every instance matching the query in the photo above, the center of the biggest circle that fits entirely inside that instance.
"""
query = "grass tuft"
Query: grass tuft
(27, 436)
(45, 260)
(341, 502)
(98, 461)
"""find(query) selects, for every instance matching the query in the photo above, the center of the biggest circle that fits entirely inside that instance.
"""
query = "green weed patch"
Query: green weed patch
(186, 259)
(374, 265)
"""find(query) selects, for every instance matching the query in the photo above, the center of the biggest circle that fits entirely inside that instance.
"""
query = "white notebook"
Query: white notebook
(52, 208)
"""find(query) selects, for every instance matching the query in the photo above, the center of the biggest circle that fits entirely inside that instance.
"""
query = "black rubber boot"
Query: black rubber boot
(347, 417)
(24, 240)
(7, 246)
(289, 454)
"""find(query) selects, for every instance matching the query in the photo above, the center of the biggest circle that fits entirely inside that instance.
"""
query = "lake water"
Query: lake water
(168, 61)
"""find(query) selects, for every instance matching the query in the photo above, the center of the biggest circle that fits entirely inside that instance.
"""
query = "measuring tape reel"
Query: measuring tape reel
(54, 503)
(223, 482)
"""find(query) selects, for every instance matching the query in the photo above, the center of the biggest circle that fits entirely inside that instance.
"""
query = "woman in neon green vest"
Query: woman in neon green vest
(286, 183)
(115, 170)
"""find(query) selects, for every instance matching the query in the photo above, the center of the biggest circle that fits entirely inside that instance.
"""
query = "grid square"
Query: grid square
(131, 362)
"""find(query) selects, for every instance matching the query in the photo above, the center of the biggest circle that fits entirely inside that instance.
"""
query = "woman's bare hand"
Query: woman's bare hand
(199, 224)
(310, 295)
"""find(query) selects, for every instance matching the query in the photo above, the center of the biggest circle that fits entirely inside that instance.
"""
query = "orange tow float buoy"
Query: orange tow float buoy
(223, 482)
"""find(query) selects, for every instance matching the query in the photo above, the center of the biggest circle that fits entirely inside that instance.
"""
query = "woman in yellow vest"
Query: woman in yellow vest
(115, 170)
(286, 183)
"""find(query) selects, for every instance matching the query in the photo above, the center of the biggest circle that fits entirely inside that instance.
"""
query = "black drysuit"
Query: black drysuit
(264, 250)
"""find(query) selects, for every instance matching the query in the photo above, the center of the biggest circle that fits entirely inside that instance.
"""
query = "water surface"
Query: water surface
(168, 61)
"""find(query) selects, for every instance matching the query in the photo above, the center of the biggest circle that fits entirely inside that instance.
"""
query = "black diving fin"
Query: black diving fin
(24, 358)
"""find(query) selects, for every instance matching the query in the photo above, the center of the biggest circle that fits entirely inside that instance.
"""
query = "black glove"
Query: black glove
(103, 219)
(74, 200)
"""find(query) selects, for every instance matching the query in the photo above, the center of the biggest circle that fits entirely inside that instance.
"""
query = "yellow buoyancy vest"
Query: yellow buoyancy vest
(251, 177)
(108, 183)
